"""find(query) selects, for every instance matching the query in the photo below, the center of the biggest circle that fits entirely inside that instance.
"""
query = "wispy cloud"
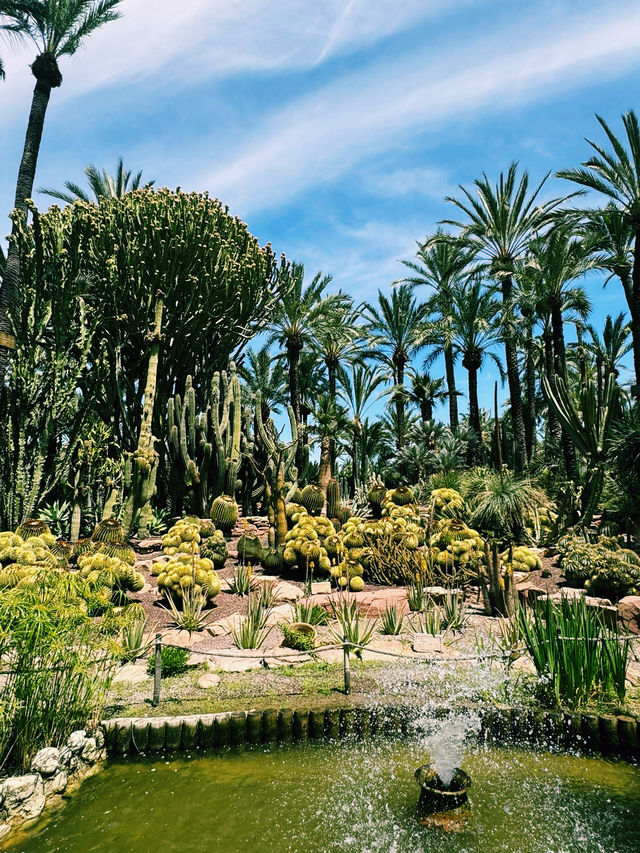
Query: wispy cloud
(317, 138)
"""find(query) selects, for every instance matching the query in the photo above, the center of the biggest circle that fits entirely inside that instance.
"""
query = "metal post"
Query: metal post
(347, 667)
(157, 675)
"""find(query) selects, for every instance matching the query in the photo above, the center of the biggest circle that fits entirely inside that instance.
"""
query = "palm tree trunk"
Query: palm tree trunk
(451, 388)
(324, 470)
(24, 190)
(515, 390)
(293, 358)
(400, 420)
(560, 369)
(634, 310)
(333, 394)
(552, 421)
(426, 410)
(530, 391)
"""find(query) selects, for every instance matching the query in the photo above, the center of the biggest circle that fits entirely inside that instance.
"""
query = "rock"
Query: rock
(46, 761)
(238, 660)
(629, 613)
(523, 664)
(519, 577)
(131, 673)
(76, 741)
(282, 613)
(265, 581)
(146, 546)
(439, 593)
(57, 783)
(23, 796)
(633, 674)
(287, 592)
(320, 588)
(528, 591)
(278, 657)
(331, 655)
(90, 752)
(176, 637)
(209, 680)
(68, 759)
(99, 738)
(427, 643)
(227, 625)
(5, 829)
(568, 592)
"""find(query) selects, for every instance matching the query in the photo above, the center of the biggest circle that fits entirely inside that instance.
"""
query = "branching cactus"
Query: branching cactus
(277, 471)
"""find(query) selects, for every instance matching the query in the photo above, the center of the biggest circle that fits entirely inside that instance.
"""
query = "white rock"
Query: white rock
(5, 829)
(278, 657)
(23, 796)
(57, 783)
(227, 625)
(427, 643)
(131, 673)
(282, 613)
(90, 751)
(209, 680)
(238, 660)
(321, 588)
(46, 761)
(287, 592)
(76, 741)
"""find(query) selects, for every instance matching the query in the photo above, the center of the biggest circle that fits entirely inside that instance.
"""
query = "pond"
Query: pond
(343, 797)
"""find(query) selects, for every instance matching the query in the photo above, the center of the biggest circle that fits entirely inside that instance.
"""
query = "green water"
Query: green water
(344, 797)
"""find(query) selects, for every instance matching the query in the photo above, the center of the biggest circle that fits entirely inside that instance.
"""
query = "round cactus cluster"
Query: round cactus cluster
(305, 543)
(186, 572)
(348, 573)
(102, 570)
(376, 495)
(446, 503)
(312, 499)
(182, 538)
(401, 496)
(523, 558)
(455, 546)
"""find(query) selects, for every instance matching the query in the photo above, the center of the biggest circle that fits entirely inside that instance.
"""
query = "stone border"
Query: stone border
(606, 733)
(52, 771)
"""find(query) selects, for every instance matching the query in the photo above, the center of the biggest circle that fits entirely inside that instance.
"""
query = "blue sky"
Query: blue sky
(335, 128)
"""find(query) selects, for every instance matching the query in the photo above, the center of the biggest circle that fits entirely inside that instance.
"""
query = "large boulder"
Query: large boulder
(23, 796)
(629, 613)
(46, 761)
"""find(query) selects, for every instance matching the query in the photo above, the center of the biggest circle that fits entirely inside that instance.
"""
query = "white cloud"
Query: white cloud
(321, 136)
(429, 181)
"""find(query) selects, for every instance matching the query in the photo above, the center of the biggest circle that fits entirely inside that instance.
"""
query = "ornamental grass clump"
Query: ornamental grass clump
(391, 621)
(353, 627)
(254, 628)
(577, 657)
(59, 663)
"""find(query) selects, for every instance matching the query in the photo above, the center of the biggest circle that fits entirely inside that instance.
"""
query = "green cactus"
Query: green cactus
(313, 499)
(110, 530)
(333, 498)
(224, 513)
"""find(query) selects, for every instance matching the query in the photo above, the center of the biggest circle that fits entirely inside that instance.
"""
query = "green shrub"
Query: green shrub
(295, 639)
(603, 567)
(174, 662)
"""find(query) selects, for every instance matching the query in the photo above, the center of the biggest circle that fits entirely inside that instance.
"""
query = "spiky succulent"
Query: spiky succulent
(224, 513)
(120, 550)
(272, 560)
(376, 495)
(401, 496)
(32, 527)
(84, 546)
(183, 573)
(215, 549)
(312, 499)
(250, 549)
(110, 530)
(61, 550)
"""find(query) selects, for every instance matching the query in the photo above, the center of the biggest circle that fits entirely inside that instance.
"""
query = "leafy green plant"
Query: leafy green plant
(454, 611)
(391, 621)
(174, 661)
(296, 639)
(415, 595)
(253, 629)
(190, 616)
(59, 663)
(132, 636)
(577, 657)
(430, 620)
(241, 583)
(159, 521)
(352, 625)
(57, 516)
(311, 614)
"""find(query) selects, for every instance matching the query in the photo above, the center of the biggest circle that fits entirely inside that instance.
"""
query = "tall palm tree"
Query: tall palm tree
(57, 28)
(396, 331)
(426, 392)
(473, 312)
(439, 266)
(294, 322)
(612, 346)
(616, 174)
(560, 259)
(358, 387)
(265, 374)
(101, 184)
(500, 222)
(330, 420)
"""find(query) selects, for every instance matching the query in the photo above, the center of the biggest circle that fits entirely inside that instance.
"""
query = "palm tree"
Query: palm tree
(500, 223)
(473, 313)
(265, 374)
(358, 386)
(396, 330)
(440, 265)
(560, 259)
(610, 348)
(426, 392)
(331, 420)
(101, 184)
(58, 28)
(616, 174)
(294, 323)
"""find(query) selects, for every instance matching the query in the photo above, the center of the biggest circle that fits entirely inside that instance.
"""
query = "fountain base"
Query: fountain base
(435, 795)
